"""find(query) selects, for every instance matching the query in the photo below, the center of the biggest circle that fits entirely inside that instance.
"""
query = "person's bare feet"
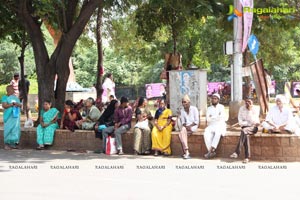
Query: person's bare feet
(7, 147)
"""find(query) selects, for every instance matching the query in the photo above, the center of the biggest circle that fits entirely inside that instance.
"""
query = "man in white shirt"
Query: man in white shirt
(215, 117)
(280, 118)
(189, 117)
(249, 121)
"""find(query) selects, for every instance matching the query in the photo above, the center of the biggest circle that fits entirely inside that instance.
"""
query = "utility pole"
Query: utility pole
(236, 77)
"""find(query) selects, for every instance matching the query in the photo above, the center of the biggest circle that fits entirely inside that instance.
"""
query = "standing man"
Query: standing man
(189, 117)
(22, 93)
(215, 117)
(122, 119)
(249, 121)
(15, 83)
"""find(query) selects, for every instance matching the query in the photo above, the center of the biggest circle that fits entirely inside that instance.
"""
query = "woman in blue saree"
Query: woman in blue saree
(48, 125)
(11, 118)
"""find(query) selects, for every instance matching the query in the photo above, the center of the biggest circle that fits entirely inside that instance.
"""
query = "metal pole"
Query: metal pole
(237, 54)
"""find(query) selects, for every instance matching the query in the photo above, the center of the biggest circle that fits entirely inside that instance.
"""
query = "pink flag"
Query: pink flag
(248, 17)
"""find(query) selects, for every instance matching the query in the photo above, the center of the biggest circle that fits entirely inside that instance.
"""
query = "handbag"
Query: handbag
(111, 147)
(16, 112)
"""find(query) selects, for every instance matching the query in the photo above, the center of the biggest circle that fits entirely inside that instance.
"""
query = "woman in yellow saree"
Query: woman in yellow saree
(161, 133)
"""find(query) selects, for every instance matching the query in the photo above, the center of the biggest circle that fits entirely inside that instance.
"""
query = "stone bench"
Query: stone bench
(271, 147)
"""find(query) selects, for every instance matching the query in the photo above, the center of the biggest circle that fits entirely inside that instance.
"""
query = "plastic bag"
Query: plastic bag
(28, 123)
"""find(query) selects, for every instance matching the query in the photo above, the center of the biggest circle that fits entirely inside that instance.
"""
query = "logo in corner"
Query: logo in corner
(233, 13)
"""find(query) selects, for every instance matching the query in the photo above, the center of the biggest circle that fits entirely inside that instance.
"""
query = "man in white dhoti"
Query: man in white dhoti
(189, 117)
(280, 118)
(215, 117)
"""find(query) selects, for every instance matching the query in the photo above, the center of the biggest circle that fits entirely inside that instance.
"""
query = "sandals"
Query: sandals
(40, 148)
(147, 153)
(234, 155)
(6, 147)
(246, 160)
(166, 154)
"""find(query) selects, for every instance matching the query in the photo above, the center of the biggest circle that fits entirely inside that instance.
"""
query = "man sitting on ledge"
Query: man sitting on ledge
(216, 128)
(249, 121)
(122, 119)
(279, 119)
(189, 116)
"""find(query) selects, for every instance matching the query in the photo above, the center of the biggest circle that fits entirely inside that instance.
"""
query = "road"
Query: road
(70, 175)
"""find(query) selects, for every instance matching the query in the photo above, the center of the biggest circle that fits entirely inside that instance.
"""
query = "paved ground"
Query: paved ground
(133, 181)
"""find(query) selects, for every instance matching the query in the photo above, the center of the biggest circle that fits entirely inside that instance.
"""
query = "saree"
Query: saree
(161, 140)
(12, 127)
(45, 135)
(91, 119)
(142, 133)
(71, 125)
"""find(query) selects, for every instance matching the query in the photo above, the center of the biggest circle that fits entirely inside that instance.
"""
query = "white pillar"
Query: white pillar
(237, 55)
(236, 73)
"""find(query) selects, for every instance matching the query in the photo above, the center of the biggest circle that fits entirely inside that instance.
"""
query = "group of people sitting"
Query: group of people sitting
(150, 133)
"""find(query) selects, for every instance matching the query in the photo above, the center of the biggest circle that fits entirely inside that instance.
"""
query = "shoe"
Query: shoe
(210, 155)
(147, 152)
(121, 152)
(156, 153)
(40, 148)
(7, 147)
(166, 154)
(206, 155)
(187, 156)
(234, 155)
(98, 151)
(13, 147)
(246, 160)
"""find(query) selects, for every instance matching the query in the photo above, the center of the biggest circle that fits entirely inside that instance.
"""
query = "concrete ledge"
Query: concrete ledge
(271, 147)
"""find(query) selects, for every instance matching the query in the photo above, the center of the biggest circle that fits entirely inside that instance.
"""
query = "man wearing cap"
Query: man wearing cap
(122, 119)
(215, 117)
(280, 118)
(15, 83)
(189, 117)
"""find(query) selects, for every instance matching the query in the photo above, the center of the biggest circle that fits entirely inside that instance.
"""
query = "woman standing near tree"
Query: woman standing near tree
(11, 118)
(48, 125)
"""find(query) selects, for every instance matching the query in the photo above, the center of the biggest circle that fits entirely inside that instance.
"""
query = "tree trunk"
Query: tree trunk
(100, 53)
(58, 63)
